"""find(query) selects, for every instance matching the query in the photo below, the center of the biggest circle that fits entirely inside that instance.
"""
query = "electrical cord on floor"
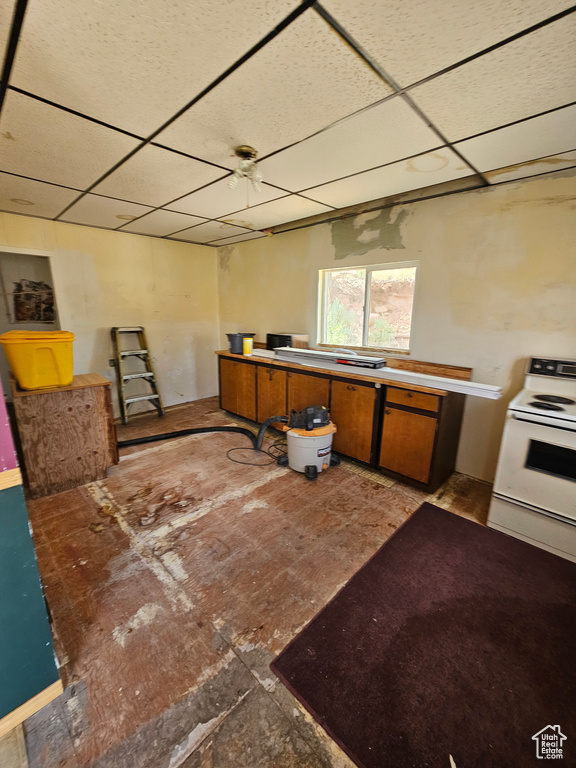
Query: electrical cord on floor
(275, 451)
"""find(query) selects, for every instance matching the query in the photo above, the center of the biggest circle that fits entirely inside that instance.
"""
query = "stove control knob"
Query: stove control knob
(537, 366)
(549, 367)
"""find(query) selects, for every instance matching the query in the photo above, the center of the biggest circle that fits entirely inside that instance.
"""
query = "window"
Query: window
(367, 306)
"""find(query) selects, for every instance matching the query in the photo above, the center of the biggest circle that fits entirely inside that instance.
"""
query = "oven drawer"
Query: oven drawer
(533, 526)
(537, 466)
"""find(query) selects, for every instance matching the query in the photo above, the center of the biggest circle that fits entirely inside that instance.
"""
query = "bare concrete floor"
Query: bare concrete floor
(173, 583)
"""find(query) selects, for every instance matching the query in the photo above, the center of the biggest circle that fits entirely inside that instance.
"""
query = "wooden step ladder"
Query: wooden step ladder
(139, 350)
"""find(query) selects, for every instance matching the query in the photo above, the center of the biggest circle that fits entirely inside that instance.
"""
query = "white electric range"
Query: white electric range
(534, 495)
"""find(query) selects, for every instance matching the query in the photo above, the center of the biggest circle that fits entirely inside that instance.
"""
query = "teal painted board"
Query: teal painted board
(27, 663)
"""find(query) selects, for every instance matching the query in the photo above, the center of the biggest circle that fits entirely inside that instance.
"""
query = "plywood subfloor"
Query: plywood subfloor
(174, 582)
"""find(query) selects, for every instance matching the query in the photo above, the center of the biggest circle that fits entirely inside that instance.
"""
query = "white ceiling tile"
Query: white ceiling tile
(533, 168)
(155, 176)
(238, 239)
(46, 143)
(545, 135)
(106, 212)
(134, 63)
(415, 173)
(6, 15)
(379, 135)
(303, 80)
(412, 40)
(218, 199)
(280, 211)
(33, 197)
(532, 74)
(211, 230)
(162, 223)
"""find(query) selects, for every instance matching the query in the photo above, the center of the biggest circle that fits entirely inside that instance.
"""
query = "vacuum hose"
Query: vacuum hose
(196, 431)
(264, 427)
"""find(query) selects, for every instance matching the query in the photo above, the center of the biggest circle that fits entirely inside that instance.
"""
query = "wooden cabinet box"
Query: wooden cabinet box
(67, 434)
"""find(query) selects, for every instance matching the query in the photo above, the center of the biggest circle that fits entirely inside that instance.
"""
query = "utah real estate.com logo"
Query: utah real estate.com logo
(549, 743)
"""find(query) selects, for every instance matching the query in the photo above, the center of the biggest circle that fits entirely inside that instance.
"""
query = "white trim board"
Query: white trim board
(471, 388)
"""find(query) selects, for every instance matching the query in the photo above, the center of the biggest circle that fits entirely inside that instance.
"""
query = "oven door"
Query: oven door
(537, 463)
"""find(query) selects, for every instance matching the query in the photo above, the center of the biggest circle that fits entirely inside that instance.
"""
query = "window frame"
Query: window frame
(322, 320)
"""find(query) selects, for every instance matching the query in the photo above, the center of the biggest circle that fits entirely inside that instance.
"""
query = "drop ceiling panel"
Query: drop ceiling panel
(46, 143)
(545, 135)
(379, 135)
(302, 81)
(211, 230)
(155, 176)
(533, 168)
(135, 63)
(280, 211)
(162, 223)
(531, 75)
(105, 212)
(33, 197)
(238, 239)
(6, 15)
(412, 40)
(218, 199)
(415, 173)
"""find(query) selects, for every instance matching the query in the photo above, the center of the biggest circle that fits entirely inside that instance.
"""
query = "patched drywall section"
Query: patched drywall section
(497, 284)
(104, 278)
(358, 235)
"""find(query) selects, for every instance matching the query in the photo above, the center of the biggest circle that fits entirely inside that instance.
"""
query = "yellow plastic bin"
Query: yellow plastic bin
(39, 359)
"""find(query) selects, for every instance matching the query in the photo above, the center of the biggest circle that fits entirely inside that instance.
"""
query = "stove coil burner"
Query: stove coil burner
(546, 406)
(555, 399)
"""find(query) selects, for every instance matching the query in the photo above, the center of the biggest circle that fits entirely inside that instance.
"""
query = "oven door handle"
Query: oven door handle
(541, 423)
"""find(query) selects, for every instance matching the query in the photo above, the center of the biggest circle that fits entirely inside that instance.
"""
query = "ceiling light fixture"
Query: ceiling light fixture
(247, 168)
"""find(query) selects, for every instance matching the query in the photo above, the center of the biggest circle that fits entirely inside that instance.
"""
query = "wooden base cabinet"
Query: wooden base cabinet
(238, 388)
(407, 443)
(271, 400)
(410, 434)
(352, 410)
(420, 434)
(306, 389)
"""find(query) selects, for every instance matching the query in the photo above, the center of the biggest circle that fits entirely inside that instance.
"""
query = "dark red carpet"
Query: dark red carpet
(454, 639)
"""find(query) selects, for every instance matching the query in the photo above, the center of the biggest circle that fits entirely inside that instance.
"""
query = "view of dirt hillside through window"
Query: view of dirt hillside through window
(391, 295)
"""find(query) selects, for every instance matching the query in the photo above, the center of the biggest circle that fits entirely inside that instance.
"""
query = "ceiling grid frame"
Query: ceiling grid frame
(10, 59)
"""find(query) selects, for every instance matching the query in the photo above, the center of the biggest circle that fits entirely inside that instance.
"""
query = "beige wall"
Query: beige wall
(497, 284)
(104, 278)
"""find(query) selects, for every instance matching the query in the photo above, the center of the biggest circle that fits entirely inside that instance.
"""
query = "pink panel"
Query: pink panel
(8, 458)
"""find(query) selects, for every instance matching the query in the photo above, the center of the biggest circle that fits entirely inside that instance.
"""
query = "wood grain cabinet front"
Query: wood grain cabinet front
(407, 444)
(352, 410)
(306, 389)
(271, 393)
(238, 387)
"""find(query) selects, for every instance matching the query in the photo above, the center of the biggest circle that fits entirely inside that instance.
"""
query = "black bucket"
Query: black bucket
(236, 340)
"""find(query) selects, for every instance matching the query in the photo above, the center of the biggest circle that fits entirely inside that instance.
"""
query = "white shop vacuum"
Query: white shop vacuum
(309, 435)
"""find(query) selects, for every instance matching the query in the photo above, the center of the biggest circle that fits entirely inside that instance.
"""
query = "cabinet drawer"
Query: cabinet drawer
(412, 399)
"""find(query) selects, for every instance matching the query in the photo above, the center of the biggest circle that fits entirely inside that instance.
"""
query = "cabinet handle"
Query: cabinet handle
(387, 411)
(410, 394)
(270, 374)
(352, 389)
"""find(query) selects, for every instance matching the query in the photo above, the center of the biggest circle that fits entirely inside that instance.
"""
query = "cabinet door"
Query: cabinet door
(238, 388)
(307, 389)
(352, 410)
(271, 393)
(407, 443)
